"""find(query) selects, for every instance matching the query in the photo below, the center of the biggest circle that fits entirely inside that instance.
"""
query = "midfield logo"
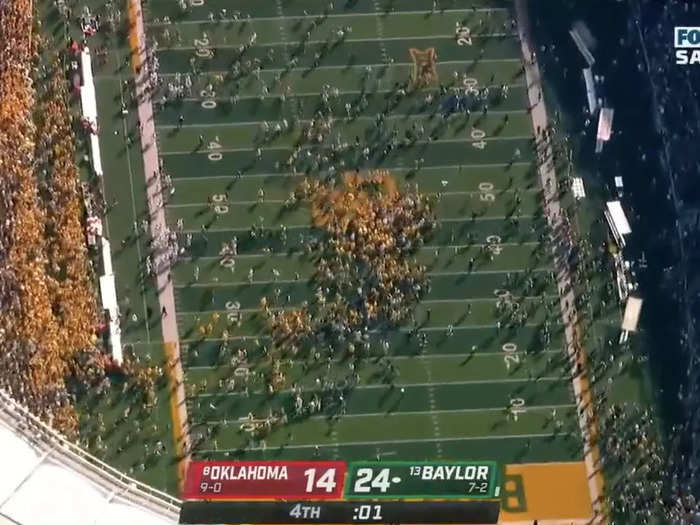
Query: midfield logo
(685, 38)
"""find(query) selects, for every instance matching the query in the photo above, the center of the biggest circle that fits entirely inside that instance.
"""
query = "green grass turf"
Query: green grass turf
(412, 426)
(509, 449)
(127, 189)
(128, 192)
(410, 369)
(456, 387)
(467, 381)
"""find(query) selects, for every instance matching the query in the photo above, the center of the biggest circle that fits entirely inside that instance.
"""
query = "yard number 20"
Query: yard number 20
(463, 35)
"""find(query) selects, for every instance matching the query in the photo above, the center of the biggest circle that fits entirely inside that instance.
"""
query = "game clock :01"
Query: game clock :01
(371, 512)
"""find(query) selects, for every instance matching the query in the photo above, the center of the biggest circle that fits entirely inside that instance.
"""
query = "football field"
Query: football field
(249, 111)
(479, 372)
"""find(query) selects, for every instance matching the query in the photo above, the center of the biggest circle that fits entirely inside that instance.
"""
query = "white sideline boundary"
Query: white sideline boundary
(108, 291)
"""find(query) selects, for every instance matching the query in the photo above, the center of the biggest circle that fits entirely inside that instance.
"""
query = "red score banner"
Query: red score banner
(227, 480)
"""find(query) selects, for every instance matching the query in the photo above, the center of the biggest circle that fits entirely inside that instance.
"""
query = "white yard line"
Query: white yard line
(428, 247)
(338, 119)
(336, 444)
(270, 71)
(305, 147)
(434, 419)
(330, 15)
(282, 201)
(407, 441)
(306, 226)
(379, 38)
(410, 413)
(393, 116)
(426, 301)
(480, 299)
(495, 354)
(395, 169)
(422, 248)
(380, 32)
(544, 379)
(353, 66)
(400, 330)
(304, 280)
(283, 29)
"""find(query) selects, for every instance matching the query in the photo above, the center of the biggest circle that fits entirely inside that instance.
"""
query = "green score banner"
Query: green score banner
(422, 479)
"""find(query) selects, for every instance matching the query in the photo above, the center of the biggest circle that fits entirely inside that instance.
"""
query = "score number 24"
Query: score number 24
(366, 480)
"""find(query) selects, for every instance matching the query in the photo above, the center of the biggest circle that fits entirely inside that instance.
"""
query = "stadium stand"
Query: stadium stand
(47, 479)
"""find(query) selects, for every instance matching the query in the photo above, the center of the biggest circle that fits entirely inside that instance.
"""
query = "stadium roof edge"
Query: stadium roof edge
(37, 458)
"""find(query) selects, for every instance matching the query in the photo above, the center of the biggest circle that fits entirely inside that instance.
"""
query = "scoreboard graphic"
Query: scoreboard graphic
(422, 479)
(278, 492)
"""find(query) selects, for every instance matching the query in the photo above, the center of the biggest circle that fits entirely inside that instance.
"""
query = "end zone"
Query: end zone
(551, 493)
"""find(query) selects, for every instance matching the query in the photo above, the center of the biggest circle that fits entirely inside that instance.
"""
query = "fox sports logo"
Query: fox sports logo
(686, 40)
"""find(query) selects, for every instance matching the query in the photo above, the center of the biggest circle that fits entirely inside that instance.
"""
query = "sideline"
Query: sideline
(587, 419)
(166, 295)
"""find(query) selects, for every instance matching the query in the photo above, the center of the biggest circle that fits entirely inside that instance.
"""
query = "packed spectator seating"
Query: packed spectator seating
(49, 321)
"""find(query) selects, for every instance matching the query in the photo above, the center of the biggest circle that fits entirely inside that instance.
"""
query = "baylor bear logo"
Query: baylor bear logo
(424, 72)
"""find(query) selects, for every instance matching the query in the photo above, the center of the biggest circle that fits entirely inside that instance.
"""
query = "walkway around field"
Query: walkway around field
(553, 210)
(158, 225)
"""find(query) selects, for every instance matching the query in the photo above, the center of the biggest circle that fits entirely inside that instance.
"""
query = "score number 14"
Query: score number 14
(325, 482)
